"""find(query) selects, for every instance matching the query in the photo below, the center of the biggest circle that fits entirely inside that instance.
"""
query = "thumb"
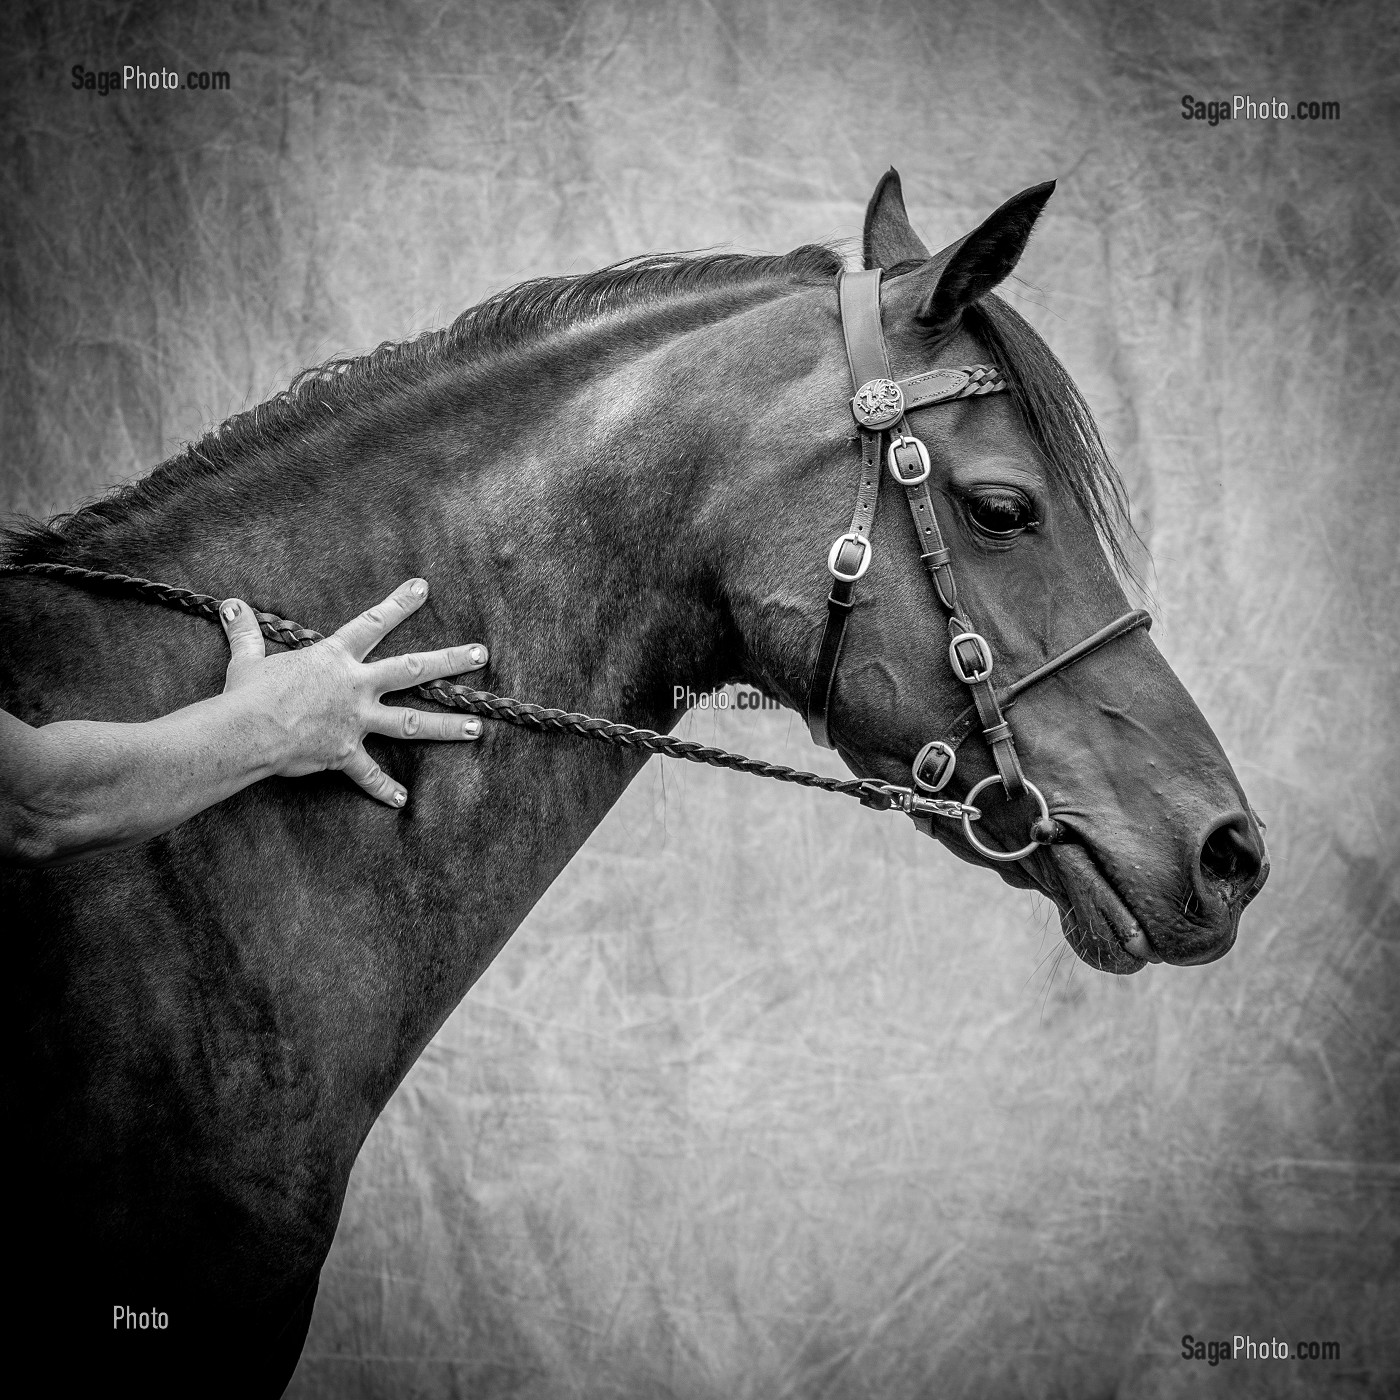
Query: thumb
(245, 638)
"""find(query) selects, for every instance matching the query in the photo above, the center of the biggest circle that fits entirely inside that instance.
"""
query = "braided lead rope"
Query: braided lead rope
(543, 719)
(277, 629)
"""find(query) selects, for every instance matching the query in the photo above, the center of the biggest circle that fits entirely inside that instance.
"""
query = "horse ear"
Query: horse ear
(888, 238)
(974, 265)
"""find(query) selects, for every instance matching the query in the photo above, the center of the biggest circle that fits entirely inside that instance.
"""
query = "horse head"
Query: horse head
(1151, 850)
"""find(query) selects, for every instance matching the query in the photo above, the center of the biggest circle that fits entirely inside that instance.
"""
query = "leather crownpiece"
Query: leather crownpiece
(879, 403)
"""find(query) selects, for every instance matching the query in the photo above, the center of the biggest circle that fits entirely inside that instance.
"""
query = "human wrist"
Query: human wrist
(257, 742)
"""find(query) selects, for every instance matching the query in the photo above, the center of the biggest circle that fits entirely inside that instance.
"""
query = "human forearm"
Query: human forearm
(81, 788)
(76, 788)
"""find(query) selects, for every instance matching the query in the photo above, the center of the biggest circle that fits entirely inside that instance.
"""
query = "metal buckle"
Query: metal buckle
(920, 451)
(950, 762)
(878, 404)
(850, 537)
(984, 653)
(987, 851)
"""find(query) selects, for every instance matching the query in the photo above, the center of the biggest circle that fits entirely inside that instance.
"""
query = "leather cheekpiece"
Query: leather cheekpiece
(859, 294)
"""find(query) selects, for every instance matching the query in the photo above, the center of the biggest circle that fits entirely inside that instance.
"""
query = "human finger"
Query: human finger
(362, 769)
(400, 722)
(240, 624)
(415, 667)
(362, 634)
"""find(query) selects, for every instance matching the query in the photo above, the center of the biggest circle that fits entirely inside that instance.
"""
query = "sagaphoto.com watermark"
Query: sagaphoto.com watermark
(1244, 108)
(131, 77)
(1242, 1347)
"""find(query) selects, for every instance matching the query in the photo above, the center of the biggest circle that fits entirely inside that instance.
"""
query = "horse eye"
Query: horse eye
(1001, 514)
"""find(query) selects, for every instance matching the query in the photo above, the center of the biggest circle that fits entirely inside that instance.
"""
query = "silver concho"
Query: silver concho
(879, 403)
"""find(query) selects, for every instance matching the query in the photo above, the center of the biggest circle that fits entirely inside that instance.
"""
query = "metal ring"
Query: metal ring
(835, 551)
(971, 801)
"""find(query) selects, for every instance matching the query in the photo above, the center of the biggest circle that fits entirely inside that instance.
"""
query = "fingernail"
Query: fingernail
(471, 728)
(418, 588)
(400, 797)
(229, 612)
(476, 655)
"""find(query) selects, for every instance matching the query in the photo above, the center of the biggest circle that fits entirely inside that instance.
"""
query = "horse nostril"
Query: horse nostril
(1230, 852)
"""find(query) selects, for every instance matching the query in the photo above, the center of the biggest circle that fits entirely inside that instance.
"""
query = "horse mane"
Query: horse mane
(512, 321)
(532, 313)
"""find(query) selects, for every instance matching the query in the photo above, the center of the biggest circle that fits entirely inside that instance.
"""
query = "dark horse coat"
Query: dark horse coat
(623, 482)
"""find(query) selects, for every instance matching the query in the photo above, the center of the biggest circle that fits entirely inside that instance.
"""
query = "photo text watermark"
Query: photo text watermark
(684, 698)
(1244, 108)
(127, 1318)
(131, 77)
(1242, 1347)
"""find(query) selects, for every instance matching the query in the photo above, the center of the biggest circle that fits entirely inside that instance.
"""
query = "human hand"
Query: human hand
(324, 699)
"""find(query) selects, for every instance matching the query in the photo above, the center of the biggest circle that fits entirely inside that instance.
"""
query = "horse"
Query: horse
(626, 482)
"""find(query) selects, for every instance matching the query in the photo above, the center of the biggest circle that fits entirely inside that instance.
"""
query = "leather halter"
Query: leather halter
(879, 406)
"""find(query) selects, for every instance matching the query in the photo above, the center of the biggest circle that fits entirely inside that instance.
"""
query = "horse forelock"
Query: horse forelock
(1059, 422)
(665, 288)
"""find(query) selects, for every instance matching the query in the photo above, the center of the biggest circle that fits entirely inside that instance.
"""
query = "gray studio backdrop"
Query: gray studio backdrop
(770, 1097)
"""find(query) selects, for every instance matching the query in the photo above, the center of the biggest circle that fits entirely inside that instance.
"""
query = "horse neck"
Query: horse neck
(570, 542)
(580, 546)
(587, 546)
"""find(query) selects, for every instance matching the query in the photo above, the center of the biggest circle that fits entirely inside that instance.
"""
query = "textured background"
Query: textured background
(713, 1125)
